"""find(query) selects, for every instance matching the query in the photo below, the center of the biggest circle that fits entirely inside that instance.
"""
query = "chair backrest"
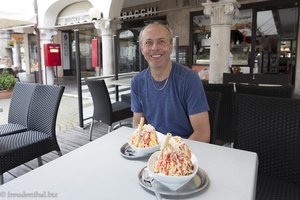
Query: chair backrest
(225, 118)
(276, 79)
(271, 91)
(126, 98)
(237, 78)
(214, 100)
(101, 100)
(19, 104)
(44, 107)
(270, 126)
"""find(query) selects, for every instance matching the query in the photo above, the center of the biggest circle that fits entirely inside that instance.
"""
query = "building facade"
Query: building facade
(273, 25)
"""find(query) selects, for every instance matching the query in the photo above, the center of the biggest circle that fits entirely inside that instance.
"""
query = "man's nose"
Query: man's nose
(156, 45)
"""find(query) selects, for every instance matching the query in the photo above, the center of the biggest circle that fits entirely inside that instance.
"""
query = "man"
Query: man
(168, 95)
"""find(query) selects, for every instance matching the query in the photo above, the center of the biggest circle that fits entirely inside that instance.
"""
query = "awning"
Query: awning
(9, 18)
(16, 13)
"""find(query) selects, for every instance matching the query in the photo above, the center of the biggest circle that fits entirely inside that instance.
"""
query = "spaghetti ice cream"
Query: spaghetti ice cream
(145, 138)
(175, 160)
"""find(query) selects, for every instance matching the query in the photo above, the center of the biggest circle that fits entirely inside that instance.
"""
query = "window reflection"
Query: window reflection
(276, 40)
(272, 41)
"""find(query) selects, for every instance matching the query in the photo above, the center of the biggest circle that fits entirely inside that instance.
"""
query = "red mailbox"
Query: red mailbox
(95, 47)
(52, 55)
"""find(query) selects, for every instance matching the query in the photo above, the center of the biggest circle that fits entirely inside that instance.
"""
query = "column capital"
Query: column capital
(222, 12)
(47, 34)
(108, 26)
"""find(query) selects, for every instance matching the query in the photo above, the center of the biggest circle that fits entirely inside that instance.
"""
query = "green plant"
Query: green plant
(7, 81)
(11, 43)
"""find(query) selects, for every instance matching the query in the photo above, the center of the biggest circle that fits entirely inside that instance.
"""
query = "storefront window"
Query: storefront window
(85, 45)
(268, 43)
(33, 63)
(130, 57)
(129, 50)
(276, 40)
(240, 36)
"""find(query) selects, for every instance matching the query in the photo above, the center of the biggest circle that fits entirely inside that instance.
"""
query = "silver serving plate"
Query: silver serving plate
(198, 183)
(128, 152)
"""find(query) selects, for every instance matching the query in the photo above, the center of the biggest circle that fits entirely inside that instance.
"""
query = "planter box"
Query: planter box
(5, 94)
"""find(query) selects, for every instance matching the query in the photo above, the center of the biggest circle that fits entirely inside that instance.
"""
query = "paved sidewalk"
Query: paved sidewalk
(68, 114)
(67, 117)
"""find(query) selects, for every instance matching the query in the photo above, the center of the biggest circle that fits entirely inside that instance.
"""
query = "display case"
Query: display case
(201, 48)
(240, 54)
(240, 35)
(202, 57)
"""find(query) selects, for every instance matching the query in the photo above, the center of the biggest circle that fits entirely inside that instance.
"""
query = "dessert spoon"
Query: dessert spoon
(151, 181)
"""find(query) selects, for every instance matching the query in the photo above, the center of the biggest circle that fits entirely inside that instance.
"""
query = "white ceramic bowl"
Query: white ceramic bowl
(172, 182)
(148, 150)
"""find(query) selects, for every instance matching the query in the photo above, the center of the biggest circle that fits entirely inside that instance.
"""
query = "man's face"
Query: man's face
(156, 45)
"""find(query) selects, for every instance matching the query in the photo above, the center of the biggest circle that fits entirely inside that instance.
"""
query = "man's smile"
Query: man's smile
(156, 56)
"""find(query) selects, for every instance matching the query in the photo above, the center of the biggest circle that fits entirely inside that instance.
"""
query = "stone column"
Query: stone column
(108, 28)
(17, 55)
(4, 47)
(47, 35)
(221, 15)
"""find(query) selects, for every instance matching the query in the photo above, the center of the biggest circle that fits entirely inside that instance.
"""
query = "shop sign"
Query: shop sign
(17, 37)
(66, 51)
(73, 19)
(144, 12)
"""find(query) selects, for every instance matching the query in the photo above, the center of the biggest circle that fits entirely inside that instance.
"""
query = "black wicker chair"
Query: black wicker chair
(126, 98)
(18, 109)
(225, 131)
(214, 100)
(104, 110)
(237, 78)
(40, 138)
(270, 126)
(273, 79)
(271, 91)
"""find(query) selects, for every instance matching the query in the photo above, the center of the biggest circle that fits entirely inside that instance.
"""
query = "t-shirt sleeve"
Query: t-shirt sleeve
(195, 96)
(135, 102)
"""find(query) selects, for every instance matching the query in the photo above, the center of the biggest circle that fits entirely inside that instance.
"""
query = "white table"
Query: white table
(98, 171)
(121, 82)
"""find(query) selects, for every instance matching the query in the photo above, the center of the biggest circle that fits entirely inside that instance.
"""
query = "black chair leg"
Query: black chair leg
(116, 126)
(40, 162)
(110, 128)
(1, 179)
(91, 129)
(59, 153)
(128, 124)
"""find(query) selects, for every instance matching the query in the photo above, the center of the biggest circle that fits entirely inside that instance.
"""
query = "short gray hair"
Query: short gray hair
(156, 22)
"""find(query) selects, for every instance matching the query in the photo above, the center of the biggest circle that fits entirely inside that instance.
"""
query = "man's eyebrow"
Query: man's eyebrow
(161, 38)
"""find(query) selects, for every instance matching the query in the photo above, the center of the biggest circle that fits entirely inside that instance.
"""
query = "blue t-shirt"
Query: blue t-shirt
(168, 109)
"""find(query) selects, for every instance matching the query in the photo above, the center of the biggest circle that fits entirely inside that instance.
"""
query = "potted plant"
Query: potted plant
(7, 82)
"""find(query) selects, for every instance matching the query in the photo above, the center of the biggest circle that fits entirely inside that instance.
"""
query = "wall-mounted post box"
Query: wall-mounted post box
(52, 55)
(95, 47)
